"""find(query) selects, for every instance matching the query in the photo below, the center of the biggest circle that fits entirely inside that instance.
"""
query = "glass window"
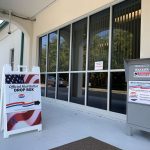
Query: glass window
(77, 92)
(64, 48)
(52, 52)
(43, 86)
(125, 44)
(99, 40)
(51, 84)
(42, 53)
(125, 32)
(62, 89)
(97, 90)
(79, 38)
(118, 92)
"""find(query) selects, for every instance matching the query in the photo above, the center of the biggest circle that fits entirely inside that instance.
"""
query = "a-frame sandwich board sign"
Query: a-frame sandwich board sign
(20, 101)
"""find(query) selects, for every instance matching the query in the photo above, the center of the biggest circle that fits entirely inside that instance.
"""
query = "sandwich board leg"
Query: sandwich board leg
(129, 130)
(40, 128)
(6, 135)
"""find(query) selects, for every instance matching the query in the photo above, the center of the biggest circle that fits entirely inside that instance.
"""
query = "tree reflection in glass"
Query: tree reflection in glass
(126, 20)
(121, 47)
(52, 52)
(64, 48)
(42, 53)
(79, 40)
(99, 39)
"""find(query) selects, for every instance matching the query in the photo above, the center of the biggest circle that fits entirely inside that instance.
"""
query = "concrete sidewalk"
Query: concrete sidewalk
(63, 125)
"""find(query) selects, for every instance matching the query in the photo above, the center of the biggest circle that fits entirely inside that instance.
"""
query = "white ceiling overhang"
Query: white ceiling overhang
(24, 8)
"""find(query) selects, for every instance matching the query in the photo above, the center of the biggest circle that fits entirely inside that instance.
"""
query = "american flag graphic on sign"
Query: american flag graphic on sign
(22, 79)
(23, 119)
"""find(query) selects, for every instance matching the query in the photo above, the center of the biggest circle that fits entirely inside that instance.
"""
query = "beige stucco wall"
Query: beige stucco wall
(64, 11)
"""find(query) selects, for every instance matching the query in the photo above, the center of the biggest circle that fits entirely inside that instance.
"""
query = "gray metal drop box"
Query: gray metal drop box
(137, 73)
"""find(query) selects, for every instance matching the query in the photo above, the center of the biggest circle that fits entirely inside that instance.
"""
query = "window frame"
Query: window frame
(109, 70)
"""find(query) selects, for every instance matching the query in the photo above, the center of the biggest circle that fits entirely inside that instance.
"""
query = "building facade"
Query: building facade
(80, 47)
(82, 61)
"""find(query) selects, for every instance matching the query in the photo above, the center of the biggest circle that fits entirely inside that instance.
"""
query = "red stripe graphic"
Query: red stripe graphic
(38, 120)
(18, 117)
(31, 78)
(36, 81)
(32, 117)
(21, 103)
(15, 103)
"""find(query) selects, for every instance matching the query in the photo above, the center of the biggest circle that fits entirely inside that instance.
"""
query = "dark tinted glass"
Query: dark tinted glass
(99, 39)
(77, 92)
(125, 32)
(43, 84)
(64, 48)
(51, 84)
(97, 90)
(79, 37)
(118, 92)
(42, 53)
(52, 52)
(62, 90)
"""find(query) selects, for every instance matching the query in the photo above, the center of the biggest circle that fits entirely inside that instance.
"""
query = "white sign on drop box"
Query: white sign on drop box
(139, 92)
(98, 65)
